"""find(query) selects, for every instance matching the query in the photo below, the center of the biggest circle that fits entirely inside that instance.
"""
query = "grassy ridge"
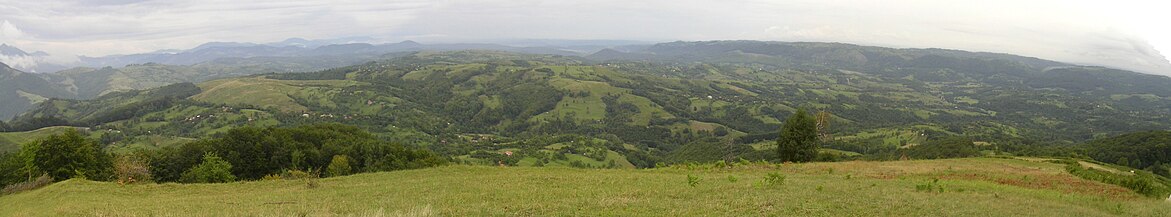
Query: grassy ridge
(966, 187)
(10, 141)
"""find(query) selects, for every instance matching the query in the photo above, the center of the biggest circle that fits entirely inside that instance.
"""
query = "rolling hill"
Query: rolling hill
(673, 102)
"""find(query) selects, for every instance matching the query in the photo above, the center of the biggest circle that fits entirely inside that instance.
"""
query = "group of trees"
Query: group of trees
(800, 139)
(1144, 150)
(256, 152)
(60, 156)
(239, 154)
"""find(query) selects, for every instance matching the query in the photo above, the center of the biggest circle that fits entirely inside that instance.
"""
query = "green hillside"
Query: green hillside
(11, 141)
(677, 102)
(20, 91)
(956, 187)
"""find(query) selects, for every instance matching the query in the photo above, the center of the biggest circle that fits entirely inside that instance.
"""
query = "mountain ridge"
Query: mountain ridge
(741, 87)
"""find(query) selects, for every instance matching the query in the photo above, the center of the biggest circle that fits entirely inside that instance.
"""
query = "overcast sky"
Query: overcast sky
(1120, 33)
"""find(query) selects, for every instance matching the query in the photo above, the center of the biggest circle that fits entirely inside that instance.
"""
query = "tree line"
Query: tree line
(247, 153)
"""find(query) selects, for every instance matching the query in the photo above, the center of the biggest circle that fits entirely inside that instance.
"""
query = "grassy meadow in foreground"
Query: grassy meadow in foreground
(965, 187)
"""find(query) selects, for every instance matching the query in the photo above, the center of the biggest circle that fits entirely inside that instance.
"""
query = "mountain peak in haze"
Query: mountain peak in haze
(409, 42)
(221, 44)
(8, 50)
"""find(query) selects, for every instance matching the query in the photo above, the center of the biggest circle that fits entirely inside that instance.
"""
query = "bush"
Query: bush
(129, 169)
(41, 181)
(339, 166)
(774, 179)
(212, 170)
(68, 155)
(932, 186)
(692, 180)
(13, 169)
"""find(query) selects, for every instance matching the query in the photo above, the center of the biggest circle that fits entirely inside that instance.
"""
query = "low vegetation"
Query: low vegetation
(239, 154)
(709, 133)
(958, 187)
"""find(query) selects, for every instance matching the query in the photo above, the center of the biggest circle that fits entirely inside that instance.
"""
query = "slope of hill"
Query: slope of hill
(10, 141)
(955, 187)
(20, 90)
(698, 98)
(89, 83)
(217, 50)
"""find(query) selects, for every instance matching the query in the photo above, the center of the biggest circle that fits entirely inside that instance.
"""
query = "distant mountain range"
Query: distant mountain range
(90, 77)
(293, 47)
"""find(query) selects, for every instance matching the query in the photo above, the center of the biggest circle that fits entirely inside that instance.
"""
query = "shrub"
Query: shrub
(296, 174)
(932, 186)
(339, 166)
(745, 162)
(68, 155)
(129, 169)
(41, 181)
(692, 180)
(213, 169)
(774, 179)
(271, 177)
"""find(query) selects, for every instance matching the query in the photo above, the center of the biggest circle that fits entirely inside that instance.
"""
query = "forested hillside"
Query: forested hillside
(20, 91)
(672, 102)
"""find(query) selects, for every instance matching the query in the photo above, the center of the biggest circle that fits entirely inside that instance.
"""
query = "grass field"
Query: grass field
(11, 141)
(267, 93)
(965, 187)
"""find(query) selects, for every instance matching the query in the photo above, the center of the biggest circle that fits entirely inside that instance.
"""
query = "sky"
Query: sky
(1127, 34)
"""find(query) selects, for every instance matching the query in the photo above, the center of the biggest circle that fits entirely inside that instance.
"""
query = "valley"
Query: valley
(644, 121)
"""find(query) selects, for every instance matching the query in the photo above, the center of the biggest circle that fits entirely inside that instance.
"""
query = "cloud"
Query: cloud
(1113, 33)
(9, 31)
(24, 63)
(110, 27)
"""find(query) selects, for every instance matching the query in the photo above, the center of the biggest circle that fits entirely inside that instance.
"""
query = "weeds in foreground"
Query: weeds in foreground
(41, 181)
(310, 177)
(418, 211)
(774, 179)
(932, 186)
(692, 180)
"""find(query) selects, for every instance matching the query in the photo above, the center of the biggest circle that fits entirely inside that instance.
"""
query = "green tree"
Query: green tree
(798, 139)
(67, 155)
(213, 169)
(339, 166)
(12, 169)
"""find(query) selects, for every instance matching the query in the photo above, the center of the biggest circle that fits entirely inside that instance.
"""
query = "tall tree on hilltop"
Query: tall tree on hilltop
(798, 140)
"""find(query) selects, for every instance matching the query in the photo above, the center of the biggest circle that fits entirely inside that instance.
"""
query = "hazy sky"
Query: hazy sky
(1120, 33)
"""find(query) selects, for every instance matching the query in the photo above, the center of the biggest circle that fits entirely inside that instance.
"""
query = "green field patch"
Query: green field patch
(957, 112)
(269, 93)
(967, 100)
(148, 142)
(923, 114)
(11, 141)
